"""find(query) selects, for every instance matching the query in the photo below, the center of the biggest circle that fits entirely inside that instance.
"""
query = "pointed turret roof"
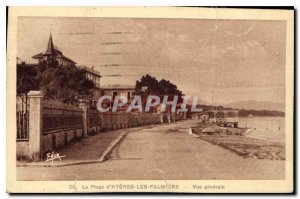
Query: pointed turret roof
(50, 48)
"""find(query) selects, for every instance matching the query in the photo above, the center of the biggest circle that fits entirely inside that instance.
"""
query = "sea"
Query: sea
(266, 128)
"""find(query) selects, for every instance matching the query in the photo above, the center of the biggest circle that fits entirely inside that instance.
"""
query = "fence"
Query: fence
(22, 118)
(114, 120)
(149, 118)
(94, 119)
(59, 116)
(117, 120)
(43, 126)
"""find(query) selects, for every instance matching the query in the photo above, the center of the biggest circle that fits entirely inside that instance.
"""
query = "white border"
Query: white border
(108, 3)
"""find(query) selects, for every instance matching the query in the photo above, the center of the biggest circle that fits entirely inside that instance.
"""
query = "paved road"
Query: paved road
(163, 152)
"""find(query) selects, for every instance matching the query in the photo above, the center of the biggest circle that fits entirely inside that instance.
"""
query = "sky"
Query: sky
(233, 60)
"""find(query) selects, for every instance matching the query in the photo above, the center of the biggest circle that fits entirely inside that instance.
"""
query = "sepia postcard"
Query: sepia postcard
(150, 99)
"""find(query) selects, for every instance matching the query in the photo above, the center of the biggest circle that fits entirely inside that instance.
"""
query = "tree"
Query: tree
(26, 78)
(149, 85)
(168, 88)
(63, 83)
(146, 86)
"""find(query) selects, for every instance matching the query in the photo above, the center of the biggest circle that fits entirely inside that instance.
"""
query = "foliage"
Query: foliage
(245, 112)
(26, 78)
(149, 85)
(260, 113)
(63, 83)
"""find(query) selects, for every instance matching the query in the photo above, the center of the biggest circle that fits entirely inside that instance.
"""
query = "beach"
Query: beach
(260, 141)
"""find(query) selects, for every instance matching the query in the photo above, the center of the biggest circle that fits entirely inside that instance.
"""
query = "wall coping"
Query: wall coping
(38, 94)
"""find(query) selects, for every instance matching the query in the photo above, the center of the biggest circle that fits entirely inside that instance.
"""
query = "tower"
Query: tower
(50, 52)
(53, 56)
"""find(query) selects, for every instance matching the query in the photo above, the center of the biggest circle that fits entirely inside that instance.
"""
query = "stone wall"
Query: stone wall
(22, 149)
(54, 140)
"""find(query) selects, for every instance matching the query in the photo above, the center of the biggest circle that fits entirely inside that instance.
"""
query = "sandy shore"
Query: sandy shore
(263, 134)
(242, 142)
